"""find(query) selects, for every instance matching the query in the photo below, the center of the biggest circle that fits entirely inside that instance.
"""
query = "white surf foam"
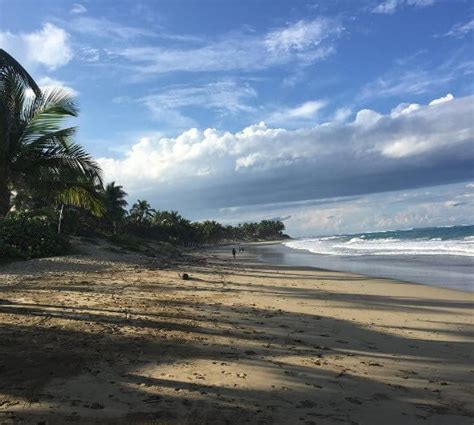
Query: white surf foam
(388, 246)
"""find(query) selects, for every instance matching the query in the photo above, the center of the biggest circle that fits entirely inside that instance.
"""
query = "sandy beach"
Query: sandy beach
(115, 338)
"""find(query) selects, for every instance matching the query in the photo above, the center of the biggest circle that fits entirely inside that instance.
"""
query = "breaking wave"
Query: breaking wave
(455, 240)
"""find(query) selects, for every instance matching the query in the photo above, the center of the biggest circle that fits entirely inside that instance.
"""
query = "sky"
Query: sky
(334, 115)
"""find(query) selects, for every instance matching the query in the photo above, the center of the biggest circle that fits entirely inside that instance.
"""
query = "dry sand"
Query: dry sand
(121, 339)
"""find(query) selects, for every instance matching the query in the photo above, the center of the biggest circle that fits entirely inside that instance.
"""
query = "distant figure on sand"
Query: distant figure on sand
(233, 252)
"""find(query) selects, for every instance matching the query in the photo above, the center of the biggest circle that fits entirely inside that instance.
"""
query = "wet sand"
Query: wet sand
(107, 338)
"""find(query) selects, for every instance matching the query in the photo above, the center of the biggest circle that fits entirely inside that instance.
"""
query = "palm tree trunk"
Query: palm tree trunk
(60, 218)
(5, 196)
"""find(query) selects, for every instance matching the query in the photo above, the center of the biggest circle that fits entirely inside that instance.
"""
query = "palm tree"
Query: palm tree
(141, 211)
(36, 152)
(167, 218)
(115, 203)
(8, 64)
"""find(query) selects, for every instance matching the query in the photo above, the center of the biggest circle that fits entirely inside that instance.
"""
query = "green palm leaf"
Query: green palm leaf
(36, 150)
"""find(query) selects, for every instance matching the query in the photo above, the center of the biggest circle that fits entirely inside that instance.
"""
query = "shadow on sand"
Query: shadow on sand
(108, 342)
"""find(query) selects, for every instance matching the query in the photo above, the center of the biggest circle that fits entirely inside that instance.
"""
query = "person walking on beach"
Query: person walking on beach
(233, 252)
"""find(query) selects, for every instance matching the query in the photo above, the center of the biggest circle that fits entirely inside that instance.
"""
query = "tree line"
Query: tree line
(51, 187)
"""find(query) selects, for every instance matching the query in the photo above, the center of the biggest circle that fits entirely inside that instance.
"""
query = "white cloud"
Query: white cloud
(404, 108)
(461, 30)
(342, 114)
(367, 118)
(49, 47)
(88, 54)
(105, 28)
(417, 80)
(304, 41)
(307, 111)
(372, 143)
(391, 6)
(302, 35)
(452, 203)
(406, 83)
(47, 83)
(78, 8)
(405, 146)
(222, 97)
(443, 99)
(388, 6)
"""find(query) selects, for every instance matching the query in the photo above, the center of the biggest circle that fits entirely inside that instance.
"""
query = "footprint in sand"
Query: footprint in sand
(380, 397)
(152, 399)
(305, 404)
(354, 400)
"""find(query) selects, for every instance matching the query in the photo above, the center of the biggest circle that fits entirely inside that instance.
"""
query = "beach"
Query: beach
(108, 337)
(444, 271)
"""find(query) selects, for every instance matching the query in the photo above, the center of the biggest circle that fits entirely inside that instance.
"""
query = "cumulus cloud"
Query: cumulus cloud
(342, 114)
(443, 99)
(429, 145)
(404, 108)
(50, 46)
(366, 118)
(303, 41)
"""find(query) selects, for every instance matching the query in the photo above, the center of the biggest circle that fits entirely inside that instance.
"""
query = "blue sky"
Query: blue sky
(333, 114)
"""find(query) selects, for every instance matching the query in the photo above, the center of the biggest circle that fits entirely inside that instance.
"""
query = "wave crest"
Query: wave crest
(356, 246)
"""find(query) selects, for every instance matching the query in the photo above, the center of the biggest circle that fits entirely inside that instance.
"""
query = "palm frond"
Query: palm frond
(12, 99)
(37, 154)
(53, 101)
(59, 159)
(46, 113)
(82, 197)
(9, 64)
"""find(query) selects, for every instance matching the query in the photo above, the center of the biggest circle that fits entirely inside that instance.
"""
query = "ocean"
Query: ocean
(439, 256)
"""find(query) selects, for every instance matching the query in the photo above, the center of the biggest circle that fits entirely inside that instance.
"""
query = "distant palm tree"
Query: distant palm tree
(37, 154)
(167, 218)
(115, 203)
(141, 211)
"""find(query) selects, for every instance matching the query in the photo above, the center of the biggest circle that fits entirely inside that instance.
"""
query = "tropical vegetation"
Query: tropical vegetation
(51, 188)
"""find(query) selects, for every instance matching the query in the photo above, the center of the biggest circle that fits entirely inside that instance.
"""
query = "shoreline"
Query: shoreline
(256, 261)
(394, 268)
(122, 339)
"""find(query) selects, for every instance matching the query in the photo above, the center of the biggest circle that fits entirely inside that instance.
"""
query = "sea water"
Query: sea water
(439, 241)
(440, 256)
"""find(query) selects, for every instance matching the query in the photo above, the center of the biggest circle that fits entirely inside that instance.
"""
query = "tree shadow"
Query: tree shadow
(313, 368)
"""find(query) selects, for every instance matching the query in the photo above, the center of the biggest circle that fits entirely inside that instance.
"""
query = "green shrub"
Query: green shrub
(25, 237)
(130, 242)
